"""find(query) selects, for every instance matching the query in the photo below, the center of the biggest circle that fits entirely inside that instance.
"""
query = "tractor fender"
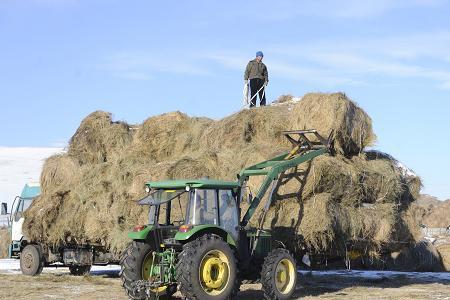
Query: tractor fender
(140, 235)
(200, 230)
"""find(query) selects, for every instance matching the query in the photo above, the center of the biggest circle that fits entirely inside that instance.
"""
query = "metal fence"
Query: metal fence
(436, 231)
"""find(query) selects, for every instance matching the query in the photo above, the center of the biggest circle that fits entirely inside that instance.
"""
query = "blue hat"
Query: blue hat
(259, 53)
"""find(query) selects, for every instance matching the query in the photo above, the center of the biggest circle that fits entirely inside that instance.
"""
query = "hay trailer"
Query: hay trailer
(198, 240)
(34, 256)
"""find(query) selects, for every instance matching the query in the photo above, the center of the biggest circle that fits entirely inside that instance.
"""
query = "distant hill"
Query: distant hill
(437, 213)
(425, 200)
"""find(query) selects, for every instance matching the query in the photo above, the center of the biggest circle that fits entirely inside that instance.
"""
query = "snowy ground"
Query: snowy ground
(12, 266)
(374, 275)
(103, 283)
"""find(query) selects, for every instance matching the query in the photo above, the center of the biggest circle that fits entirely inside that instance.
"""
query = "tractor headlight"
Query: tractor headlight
(147, 189)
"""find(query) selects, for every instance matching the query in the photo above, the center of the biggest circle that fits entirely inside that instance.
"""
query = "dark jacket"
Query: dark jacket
(256, 69)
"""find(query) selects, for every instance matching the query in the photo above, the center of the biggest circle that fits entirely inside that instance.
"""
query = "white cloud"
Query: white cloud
(19, 166)
(330, 63)
(422, 55)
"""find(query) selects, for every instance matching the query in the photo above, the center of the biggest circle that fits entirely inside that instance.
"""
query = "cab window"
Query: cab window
(177, 211)
(228, 212)
(203, 207)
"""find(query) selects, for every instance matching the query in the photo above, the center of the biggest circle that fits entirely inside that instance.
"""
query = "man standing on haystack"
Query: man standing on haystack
(256, 73)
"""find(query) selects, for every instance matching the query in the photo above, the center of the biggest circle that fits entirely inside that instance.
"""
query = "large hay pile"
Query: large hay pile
(88, 193)
(5, 240)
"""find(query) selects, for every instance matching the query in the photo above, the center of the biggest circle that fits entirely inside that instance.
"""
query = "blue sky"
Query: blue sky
(62, 59)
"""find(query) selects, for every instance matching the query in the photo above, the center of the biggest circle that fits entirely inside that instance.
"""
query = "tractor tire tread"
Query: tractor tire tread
(185, 266)
(267, 272)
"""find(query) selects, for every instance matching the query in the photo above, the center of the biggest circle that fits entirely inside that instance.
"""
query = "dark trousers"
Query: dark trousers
(255, 85)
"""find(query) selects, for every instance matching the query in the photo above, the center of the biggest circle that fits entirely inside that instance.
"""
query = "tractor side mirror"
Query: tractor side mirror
(4, 209)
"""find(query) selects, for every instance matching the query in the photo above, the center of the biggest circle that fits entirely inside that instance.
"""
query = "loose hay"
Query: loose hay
(350, 126)
(444, 252)
(419, 257)
(98, 138)
(89, 193)
(5, 240)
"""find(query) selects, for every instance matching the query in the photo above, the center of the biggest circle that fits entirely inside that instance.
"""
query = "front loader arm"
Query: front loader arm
(272, 174)
(303, 151)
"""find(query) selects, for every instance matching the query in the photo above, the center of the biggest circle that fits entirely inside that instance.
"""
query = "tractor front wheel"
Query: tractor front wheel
(135, 266)
(31, 261)
(279, 275)
(206, 269)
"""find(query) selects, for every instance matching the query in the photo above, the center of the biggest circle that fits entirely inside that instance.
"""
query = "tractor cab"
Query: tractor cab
(193, 205)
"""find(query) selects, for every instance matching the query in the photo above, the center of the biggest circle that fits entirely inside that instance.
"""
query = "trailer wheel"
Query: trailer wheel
(206, 269)
(79, 270)
(135, 266)
(279, 275)
(31, 261)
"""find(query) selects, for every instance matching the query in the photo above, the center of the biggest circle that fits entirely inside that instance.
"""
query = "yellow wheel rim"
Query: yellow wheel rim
(146, 268)
(214, 272)
(285, 276)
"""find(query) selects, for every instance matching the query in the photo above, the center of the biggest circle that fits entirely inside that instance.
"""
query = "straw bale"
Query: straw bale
(418, 257)
(260, 126)
(98, 137)
(169, 135)
(332, 174)
(379, 180)
(444, 252)
(335, 114)
(5, 240)
(59, 170)
(324, 223)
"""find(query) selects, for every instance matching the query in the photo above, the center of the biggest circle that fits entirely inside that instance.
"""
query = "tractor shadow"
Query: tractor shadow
(336, 282)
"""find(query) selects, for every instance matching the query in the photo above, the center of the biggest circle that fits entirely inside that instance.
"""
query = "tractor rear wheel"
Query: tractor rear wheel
(79, 270)
(279, 275)
(31, 261)
(135, 266)
(206, 269)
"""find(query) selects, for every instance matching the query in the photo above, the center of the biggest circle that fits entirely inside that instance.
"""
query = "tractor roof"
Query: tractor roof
(194, 183)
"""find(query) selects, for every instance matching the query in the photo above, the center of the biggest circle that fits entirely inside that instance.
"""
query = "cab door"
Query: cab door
(228, 213)
(17, 218)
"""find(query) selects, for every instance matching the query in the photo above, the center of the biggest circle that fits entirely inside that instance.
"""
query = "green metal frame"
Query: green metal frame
(272, 168)
(192, 183)
(198, 229)
(140, 235)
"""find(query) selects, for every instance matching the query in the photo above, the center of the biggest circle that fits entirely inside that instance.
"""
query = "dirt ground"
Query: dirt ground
(60, 284)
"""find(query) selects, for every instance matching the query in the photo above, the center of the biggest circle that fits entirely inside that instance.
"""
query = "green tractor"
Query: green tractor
(198, 241)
